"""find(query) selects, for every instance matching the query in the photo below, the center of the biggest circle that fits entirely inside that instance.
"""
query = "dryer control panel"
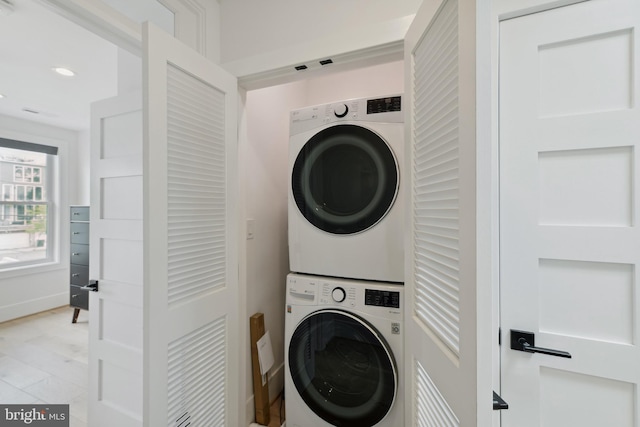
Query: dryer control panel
(385, 109)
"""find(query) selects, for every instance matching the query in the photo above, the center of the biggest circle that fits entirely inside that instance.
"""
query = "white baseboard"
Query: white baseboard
(276, 384)
(27, 308)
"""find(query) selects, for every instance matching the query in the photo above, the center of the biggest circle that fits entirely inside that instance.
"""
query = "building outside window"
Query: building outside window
(26, 171)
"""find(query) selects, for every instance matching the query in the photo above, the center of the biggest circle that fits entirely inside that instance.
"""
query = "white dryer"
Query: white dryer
(345, 199)
(343, 353)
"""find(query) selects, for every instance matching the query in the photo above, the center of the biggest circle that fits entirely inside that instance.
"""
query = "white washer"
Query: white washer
(343, 353)
(345, 198)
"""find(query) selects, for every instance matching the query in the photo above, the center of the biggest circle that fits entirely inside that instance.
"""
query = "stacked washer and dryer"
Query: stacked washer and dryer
(343, 321)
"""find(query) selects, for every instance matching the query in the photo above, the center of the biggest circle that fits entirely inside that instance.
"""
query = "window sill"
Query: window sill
(23, 270)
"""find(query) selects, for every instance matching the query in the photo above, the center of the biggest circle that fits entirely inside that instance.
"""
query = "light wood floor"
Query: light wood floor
(43, 359)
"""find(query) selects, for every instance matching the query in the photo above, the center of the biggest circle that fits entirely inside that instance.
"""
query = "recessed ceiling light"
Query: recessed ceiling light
(64, 71)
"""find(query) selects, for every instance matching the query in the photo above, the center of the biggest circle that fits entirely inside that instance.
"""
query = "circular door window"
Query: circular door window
(342, 369)
(345, 179)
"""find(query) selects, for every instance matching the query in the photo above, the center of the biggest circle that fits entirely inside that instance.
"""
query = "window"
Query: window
(7, 191)
(27, 172)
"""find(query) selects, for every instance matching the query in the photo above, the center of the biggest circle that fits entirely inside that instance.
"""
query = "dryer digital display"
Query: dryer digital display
(384, 105)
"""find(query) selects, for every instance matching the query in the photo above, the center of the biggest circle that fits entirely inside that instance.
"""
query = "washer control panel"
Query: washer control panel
(373, 298)
(339, 295)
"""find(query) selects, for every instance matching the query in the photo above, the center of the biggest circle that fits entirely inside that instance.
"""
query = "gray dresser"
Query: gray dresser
(79, 298)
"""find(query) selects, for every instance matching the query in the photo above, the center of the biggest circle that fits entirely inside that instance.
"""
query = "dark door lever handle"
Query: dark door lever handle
(92, 286)
(525, 341)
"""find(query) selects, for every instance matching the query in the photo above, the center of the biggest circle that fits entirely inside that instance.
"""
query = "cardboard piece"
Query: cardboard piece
(265, 353)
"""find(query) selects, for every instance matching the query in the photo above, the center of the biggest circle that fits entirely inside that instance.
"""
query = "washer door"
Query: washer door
(342, 369)
(345, 179)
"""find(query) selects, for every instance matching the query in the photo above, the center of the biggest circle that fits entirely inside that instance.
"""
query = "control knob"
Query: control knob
(338, 294)
(340, 110)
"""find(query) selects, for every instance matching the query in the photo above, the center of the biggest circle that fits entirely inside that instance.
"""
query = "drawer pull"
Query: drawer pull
(75, 253)
(75, 275)
(76, 213)
(75, 296)
(76, 232)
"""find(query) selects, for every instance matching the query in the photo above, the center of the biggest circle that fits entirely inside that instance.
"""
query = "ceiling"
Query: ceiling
(34, 39)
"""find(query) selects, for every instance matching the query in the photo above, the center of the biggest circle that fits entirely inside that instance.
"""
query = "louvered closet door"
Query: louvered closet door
(191, 351)
(441, 314)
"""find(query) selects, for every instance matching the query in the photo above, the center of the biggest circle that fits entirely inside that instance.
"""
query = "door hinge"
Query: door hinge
(498, 402)
(499, 337)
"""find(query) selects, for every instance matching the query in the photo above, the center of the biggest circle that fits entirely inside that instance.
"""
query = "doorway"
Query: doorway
(39, 104)
(264, 158)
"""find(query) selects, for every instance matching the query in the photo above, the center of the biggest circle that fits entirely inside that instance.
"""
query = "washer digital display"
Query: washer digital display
(382, 298)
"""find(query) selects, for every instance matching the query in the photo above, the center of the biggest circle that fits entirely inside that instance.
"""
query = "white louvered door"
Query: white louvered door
(191, 348)
(441, 310)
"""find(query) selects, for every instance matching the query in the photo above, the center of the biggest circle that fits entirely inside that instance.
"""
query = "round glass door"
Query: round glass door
(345, 179)
(342, 369)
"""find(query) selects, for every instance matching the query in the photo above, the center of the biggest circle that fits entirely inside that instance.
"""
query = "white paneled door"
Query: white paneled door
(115, 311)
(443, 377)
(191, 311)
(569, 208)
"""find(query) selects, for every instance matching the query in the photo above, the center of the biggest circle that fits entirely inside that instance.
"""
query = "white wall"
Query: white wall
(258, 36)
(267, 256)
(83, 177)
(385, 79)
(253, 27)
(265, 159)
(28, 290)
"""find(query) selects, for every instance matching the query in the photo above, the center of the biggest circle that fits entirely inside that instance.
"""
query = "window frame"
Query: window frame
(49, 184)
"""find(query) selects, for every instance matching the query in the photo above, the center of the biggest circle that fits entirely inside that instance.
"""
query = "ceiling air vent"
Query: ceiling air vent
(298, 67)
(326, 62)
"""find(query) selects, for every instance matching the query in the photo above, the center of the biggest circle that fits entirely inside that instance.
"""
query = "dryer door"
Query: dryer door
(343, 369)
(345, 179)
